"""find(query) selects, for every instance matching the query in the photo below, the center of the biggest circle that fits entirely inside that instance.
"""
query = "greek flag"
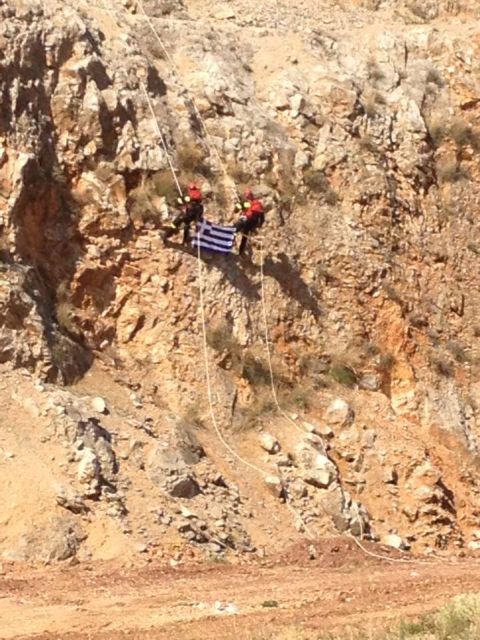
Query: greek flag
(214, 237)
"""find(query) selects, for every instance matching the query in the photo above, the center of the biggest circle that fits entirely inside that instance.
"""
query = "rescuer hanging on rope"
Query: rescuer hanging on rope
(252, 218)
(192, 211)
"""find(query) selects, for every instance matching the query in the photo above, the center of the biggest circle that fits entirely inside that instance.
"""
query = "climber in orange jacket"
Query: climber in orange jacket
(192, 211)
(252, 218)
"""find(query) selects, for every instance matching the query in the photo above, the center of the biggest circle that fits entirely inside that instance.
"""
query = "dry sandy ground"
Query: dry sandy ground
(341, 587)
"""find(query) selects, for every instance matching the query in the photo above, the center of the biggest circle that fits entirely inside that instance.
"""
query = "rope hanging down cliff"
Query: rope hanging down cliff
(162, 138)
(208, 136)
(267, 341)
(218, 432)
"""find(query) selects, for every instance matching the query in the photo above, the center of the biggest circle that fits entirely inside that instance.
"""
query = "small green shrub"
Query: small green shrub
(66, 318)
(392, 293)
(315, 369)
(311, 365)
(65, 310)
(464, 135)
(270, 604)
(220, 337)
(343, 374)
(443, 366)
(458, 620)
(331, 197)
(250, 416)
(452, 172)
(144, 201)
(458, 351)
(371, 100)
(223, 199)
(149, 44)
(239, 173)
(191, 418)
(163, 185)
(298, 397)
(423, 10)
(438, 132)
(191, 158)
(367, 143)
(434, 77)
(374, 71)
(317, 182)
(255, 369)
(386, 362)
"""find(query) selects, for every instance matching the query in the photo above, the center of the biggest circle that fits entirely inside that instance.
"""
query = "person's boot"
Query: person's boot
(169, 232)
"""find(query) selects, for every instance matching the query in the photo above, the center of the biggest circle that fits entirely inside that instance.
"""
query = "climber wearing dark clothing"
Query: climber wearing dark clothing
(192, 211)
(252, 218)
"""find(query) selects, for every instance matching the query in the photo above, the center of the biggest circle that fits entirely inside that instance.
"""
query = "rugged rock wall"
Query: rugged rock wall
(359, 127)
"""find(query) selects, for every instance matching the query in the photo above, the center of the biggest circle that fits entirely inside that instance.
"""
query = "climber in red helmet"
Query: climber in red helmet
(192, 211)
(252, 218)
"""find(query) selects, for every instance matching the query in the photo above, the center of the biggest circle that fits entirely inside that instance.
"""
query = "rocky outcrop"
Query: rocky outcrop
(363, 145)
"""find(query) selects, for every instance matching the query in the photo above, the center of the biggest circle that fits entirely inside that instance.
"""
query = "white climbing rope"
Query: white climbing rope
(264, 474)
(199, 261)
(287, 417)
(208, 136)
(207, 371)
(208, 381)
(379, 556)
(217, 429)
(162, 138)
(159, 40)
(267, 342)
(155, 119)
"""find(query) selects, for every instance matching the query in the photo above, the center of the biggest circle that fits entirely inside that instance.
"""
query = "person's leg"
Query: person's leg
(186, 233)
(242, 227)
(243, 244)
(174, 226)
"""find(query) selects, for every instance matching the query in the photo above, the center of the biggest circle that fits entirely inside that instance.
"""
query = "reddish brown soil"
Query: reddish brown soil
(340, 587)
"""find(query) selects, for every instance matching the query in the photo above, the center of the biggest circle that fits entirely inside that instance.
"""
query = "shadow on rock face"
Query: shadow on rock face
(291, 282)
(235, 269)
(30, 336)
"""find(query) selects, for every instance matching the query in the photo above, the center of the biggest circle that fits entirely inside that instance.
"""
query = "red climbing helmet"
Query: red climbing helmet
(257, 207)
(194, 192)
(248, 194)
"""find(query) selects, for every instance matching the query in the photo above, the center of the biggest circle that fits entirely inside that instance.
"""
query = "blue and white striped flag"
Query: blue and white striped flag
(214, 237)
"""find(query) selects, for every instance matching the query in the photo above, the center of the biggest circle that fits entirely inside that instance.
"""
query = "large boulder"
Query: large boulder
(321, 473)
(170, 465)
(339, 414)
(269, 443)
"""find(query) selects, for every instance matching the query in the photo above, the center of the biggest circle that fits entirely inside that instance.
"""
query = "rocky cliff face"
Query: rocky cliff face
(358, 125)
